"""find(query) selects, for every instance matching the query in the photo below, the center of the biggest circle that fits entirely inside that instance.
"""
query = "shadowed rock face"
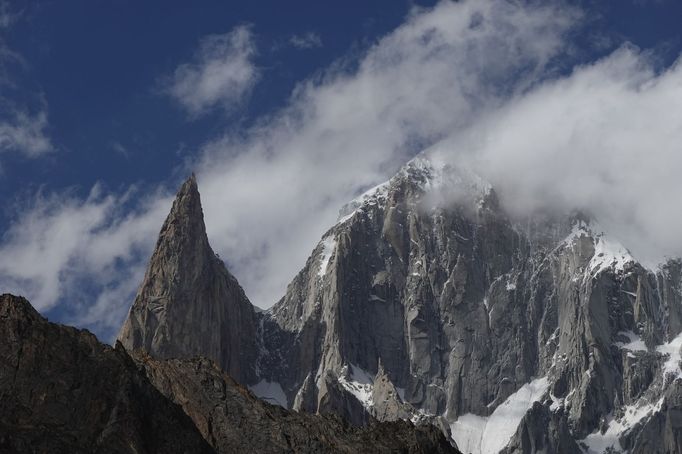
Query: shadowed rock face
(61, 391)
(188, 303)
(233, 420)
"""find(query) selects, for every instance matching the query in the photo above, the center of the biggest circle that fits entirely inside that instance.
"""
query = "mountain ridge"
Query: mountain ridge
(465, 310)
(62, 391)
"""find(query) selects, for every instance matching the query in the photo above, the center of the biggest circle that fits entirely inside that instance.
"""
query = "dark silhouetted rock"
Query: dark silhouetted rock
(234, 420)
(61, 391)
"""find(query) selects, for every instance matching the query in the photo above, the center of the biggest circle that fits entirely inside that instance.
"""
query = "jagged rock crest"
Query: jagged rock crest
(188, 303)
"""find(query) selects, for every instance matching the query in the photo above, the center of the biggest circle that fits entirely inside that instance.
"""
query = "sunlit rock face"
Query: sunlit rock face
(188, 303)
(526, 335)
(428, 302)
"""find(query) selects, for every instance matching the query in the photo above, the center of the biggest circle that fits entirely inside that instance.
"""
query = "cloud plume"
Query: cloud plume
(222, 74)
(310, 40)
(270, 192)
(479, 77)
(87, 252)
(604, 139)
(26, 134)
(21, 130)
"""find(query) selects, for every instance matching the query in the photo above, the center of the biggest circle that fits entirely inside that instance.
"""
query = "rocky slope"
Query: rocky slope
(427, 302)
(61, 391)
(233, 420)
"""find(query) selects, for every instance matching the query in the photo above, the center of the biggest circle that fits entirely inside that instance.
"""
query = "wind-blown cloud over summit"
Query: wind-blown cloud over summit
(482, 77)
(271, 192)
(604, 139)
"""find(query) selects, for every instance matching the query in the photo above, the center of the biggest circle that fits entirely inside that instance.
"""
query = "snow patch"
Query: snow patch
(270, 392)
(672, 364)
(489, 435)
(328, 247)
(359, 383)
(636, 343)
(599, 443)
(467, 432)
(580, 229)
(608, 254)
(373, 196)
(439, 178)
(557, 403)
(436, 176)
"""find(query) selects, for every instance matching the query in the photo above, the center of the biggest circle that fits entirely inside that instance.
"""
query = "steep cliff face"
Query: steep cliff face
(475, 317)
(428, 302)
(188, 303)
(61, 391)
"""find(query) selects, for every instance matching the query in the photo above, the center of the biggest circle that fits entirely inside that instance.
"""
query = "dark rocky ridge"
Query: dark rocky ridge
(61, 391)
(233, 420)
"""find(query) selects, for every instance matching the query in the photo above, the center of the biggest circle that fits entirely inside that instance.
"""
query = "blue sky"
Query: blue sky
(106, 106)
(98, 66)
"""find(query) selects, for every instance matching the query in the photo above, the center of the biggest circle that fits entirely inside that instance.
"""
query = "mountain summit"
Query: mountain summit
(189, 304)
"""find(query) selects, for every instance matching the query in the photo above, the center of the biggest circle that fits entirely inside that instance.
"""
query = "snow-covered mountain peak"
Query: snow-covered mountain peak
(431, 177)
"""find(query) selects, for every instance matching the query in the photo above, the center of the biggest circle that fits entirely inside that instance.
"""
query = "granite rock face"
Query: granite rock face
(428, 302)
(546, 324)
(189, 304)
(61, 391)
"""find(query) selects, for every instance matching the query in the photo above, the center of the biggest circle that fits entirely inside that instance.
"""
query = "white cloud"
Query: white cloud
(20, 131)
(7, 17)
(59, 242)
(479, 74)
(605, 140)
(25, 134)
(119, 149)
(222, 74)
(310, 40)
(270, 192)
(269, 196)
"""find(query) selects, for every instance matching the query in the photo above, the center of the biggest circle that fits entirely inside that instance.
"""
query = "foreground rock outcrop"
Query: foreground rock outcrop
(233, 420)
(61, 391)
